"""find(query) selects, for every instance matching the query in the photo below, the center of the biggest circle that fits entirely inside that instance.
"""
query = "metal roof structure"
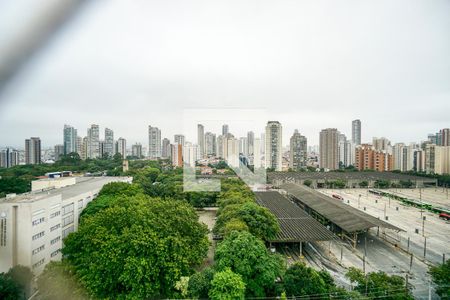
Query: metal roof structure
(346, 217)
(295, 224)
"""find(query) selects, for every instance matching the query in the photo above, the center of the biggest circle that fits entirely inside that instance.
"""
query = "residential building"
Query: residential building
(93, 142)
(33, 225)
(190, 154)
(33, 151)
(442, 160)
(122, 147)
(444, 135)
(70, 139)
(109, 146)
(368, 158)
(381, 144)
(231, 150)
(210, 144)
(256, 153)
(356, 132)
(176, 155)
(298, 151)
(219, 146)
(273, 148)
(179, 139)
(430, 158)
(397, 153)
(243, 146)
(225, 129)
(80, 146)
(154, 142)
(165, 151)
(59, 151)
(201, 139)
(136, 150)
(329, 154)
(9, 157)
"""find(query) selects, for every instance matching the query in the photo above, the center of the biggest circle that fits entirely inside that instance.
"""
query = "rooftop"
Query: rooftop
(84, 184)
(345, 176)
(295, 224)
(346, 217)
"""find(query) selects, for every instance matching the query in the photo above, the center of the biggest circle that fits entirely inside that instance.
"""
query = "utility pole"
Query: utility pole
(425, 247)
(359, 198)
(423, 225)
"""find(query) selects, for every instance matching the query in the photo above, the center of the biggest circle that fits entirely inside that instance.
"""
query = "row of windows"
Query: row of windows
(67, 231)
(54, 253)
(38, 235)
(67, 209)
(67, 220)
(55, 214)
(55, 240)
(53, 228)
(39, 263)
(37, 250)
(38, 221)
(3, 232)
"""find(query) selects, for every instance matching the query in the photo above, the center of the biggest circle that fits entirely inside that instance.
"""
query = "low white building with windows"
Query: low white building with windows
(33, 225)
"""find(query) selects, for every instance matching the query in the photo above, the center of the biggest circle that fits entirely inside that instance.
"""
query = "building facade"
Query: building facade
(356, 132)
(9, 157)
(109, 145)
(93, 142)
(136, 150)
(33, 151)
(154, 142)
(70, 139)
(122, 147)
(298, 151)
(329, 152)
(273, 146)
(201, 139)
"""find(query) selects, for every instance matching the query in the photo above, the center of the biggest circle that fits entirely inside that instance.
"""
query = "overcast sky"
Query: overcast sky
(308, 64)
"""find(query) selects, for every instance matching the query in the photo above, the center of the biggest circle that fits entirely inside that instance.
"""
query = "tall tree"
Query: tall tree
(247, 256)
(441, 277)
(227, 285)
(141, 247)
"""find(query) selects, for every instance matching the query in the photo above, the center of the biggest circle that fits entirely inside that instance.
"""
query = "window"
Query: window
(37, 250)
(55, 240)
(67, 209)
(67, 220)
(53, 228)
(80, 204)
(3, 232)
(55, 214)
(38, 221)
(54, 253)
(39, 263)
(67, 231)
(38, 235)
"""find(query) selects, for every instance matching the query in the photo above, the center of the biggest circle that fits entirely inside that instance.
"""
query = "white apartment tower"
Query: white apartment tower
(93, 142)
(273, 151)
(154, 142)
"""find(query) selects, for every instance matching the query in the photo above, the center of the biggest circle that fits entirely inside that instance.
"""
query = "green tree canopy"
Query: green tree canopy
(247, 256)
(379, 285)
(441, 277)
(301, 280)
(200, 283)
(227, 285)
(138, 249)
(260, 221)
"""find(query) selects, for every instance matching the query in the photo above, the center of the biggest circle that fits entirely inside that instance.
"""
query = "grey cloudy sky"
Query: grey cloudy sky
(310, 64)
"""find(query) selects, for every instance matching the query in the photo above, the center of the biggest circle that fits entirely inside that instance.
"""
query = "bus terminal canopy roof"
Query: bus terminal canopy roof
(295, 224)
(346, 217)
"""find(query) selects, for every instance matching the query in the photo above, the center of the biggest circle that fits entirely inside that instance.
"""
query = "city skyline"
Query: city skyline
(392, 74)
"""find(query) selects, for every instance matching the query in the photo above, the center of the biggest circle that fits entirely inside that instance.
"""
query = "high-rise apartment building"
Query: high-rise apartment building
(381, 144)
(84, 148)
(93, 142)
(210, 144)
(190, 154)
(231, 150)
(442, 160)
(356, 132)
(243, 146)
(136, 150)
(109, 146)
(122, 147)
(154, 142)
(201, 139)
(59, 151)
(444, 135)
(70, 139)
(219, 145)
(225, 130)
(329, 154)
(273, 151)
(9, 158)
(298, 151)
(80, 146)
(165, 150)
(179, 139)
(33, 151)
(251, 142)
(367, 158)
(176, 155)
